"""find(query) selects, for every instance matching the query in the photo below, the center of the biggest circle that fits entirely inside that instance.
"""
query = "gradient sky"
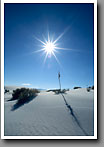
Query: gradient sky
(24, 22)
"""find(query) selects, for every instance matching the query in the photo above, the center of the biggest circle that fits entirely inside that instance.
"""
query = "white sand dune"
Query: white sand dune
(70, 114)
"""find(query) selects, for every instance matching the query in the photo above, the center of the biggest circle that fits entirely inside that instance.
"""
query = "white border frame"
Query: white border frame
(95, 69)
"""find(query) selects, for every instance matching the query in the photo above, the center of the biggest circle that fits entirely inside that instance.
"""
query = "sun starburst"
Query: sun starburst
(50, 47)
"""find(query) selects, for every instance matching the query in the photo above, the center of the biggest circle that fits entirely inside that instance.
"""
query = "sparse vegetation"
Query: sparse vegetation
(76, 87)
(88, 89)
(57, 91)
(6, 91)
(92, 87)
(24, 94)
(53, 90)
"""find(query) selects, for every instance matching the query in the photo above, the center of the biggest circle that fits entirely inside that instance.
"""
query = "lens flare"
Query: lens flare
(49, 46)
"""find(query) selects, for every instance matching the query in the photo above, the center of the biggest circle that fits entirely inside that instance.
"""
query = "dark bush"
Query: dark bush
(48, 90)
(53, 90)
(88, 89)
(6, 91)
(58, 91)
(24, 94)
(17, 93)
(92, 87)
(76, 87)
(63, 91)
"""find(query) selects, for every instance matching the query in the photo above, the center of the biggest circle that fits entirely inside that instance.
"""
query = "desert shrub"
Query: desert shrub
(88, 89)
(63, 91)
(6, 91)
(57, 91)
(49, 90)
(92, 87)
(17, 93)
(24, 94)
(53, 90)
(76, 87)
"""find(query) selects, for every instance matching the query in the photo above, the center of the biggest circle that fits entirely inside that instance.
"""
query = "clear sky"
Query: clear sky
(23, 65)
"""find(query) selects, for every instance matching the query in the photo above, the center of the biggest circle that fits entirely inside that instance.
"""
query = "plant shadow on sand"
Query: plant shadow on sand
(73, 115)
(21, 103)
(62, 93)
(23, 96)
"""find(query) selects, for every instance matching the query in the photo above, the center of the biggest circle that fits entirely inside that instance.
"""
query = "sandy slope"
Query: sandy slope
(51, 114)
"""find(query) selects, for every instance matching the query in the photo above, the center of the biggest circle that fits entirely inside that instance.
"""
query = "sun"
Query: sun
(49, 47)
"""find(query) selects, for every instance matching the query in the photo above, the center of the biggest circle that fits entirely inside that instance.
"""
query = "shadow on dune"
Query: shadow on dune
(72, 113)
(20, 103)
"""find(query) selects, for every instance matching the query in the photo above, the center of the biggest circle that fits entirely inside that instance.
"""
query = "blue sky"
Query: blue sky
(25, 22)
